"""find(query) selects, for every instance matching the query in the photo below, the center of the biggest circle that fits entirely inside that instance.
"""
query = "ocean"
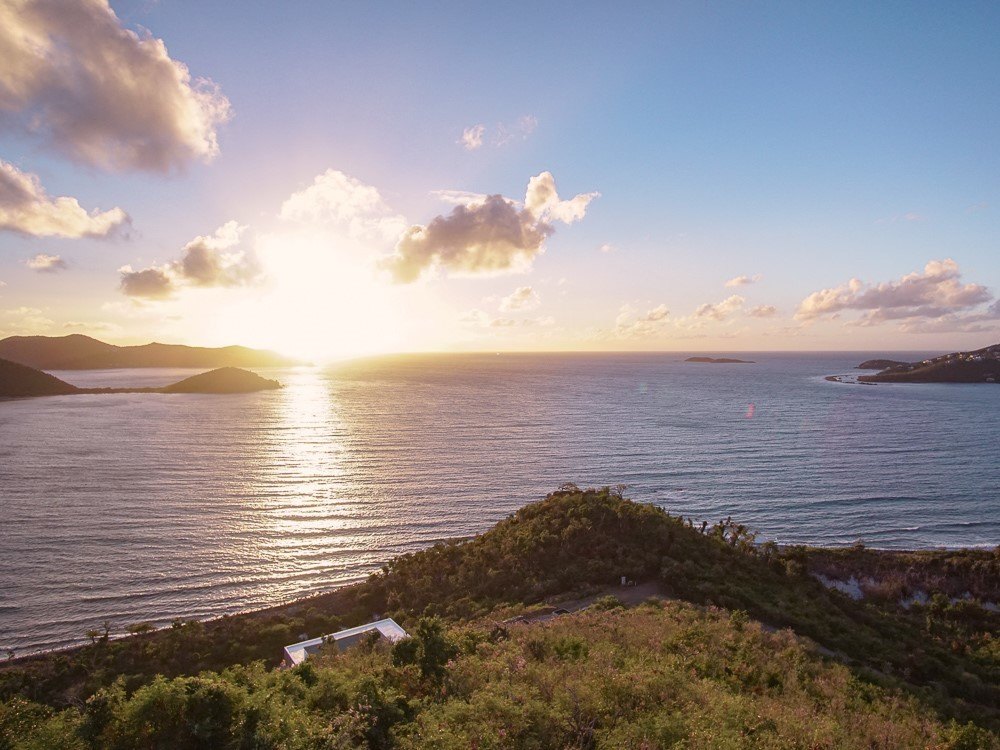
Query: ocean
(148, 507)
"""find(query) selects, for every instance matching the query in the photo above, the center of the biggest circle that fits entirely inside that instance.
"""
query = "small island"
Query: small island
(979, 366)
(719, 361)
(20, 381)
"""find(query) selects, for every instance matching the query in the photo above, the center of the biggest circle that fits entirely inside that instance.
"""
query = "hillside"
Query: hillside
(77, 352)
(881, 364)
(743, 648)
(223, 380)
(979, 366)
(18, 381)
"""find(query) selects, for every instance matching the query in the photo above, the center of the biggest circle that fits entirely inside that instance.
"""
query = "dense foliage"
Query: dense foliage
(659, 676)
(939, 660)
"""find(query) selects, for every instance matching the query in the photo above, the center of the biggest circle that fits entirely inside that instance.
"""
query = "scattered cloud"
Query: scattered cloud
(933, 293)
(743, 280)
(544, 203)
(472, 137)
(909, 216)
(493, 237)
(98, 326)
(720, 310)
(607, 247)
(977, 207)
(43, 263)
(477, 318)
(522, 298)
(101, 93)
(26, 208)
(763, 311)
(632, 324)
(26, 321)
(214, 260)
(339, 199)
(461, 197)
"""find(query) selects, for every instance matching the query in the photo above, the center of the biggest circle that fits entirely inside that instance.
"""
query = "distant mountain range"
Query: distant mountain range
(979, 366)
(78, 352)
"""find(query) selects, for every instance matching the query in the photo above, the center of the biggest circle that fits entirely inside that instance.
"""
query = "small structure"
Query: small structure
(343, 640)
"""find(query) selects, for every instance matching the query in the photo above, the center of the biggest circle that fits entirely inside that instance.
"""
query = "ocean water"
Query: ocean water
(147, 507)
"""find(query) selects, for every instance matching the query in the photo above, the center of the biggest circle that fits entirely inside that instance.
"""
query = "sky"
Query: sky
(337, 179)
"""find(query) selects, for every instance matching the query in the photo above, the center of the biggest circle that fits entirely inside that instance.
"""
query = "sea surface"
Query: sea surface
(150, 507)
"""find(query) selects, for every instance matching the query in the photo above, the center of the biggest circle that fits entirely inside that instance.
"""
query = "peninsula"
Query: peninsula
(78, 352)
(719, 361)
(979, 366)
(20, 381)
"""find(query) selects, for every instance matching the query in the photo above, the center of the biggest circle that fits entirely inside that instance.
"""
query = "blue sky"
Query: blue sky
(801, 145)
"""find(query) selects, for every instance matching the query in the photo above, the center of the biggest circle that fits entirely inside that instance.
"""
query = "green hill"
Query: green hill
(17, 381)
(979, 366)
(742, 648)
(223, 380)
(77, 352)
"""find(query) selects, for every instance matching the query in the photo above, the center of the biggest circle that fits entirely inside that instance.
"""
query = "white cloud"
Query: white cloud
(720, 310)
(935, 293)
(743, 280)
(43, 263)
(489, 238)
(461, 197)
(631, 324)
(472, 137)
(607, 247)
(522, 298)
(26, 321)
(214, 260)
(763, 311)
(26, 208)
(101, 93)
(339, 199)
(544, 203)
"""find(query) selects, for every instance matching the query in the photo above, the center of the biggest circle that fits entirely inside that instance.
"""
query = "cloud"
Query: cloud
(461, 197)
(743, 280)
(631, 324)
(936, 292)
(26, 320)
(720, 310)
(763, 311)
(472, 137)
(43, 263)
(210, 261)
(909, 216)
(493, 237)
(544, 203)
(522, 298)
(101, 93)
(26, 208)
(339, 199)
(477, 318)
(607, 247)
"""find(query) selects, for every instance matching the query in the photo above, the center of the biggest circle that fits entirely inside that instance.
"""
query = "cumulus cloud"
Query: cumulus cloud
(934, 293)
(720, 310)
(339, 199)
(493, 237)
(102, 94)
(26, 208)
(472, 137)
(630, 323)
(743, 280)
(522, 298)
(214, 260)
(544, 203)
(763, 311)
(43, 263)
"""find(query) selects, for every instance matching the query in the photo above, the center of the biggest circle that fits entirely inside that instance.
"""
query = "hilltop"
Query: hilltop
(78, 352)
(979, 366)
(18, 381)
(741, 646)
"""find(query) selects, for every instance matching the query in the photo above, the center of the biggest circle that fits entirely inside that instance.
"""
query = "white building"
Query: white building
(343, 640)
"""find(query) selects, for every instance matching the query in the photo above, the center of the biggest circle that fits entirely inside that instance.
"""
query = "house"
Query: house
(343, 640)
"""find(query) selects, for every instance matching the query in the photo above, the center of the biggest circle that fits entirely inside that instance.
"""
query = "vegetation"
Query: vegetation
(17, 381)
(693, 671)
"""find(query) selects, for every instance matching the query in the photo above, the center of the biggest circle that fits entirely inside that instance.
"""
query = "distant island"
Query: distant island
(979, 366)
(21, 381)
(78, 352)
(719, 361)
